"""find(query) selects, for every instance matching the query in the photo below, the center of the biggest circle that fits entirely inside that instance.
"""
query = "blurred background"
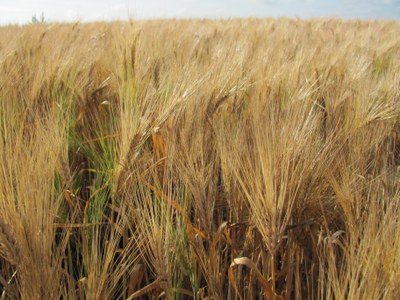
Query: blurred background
(25, 11)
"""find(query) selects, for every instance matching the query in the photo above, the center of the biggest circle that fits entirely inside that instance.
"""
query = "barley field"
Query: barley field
(200, 159)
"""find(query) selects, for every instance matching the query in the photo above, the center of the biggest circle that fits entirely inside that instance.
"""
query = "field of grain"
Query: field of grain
(179, 159)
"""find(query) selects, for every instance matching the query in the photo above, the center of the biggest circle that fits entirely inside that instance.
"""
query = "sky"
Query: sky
(22, 11)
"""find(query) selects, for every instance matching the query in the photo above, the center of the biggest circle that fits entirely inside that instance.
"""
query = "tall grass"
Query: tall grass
(236, 159)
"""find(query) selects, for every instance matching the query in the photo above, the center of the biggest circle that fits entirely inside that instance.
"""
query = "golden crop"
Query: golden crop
(177, 159)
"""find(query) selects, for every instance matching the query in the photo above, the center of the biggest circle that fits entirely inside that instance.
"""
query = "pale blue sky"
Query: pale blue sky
(21, 11)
